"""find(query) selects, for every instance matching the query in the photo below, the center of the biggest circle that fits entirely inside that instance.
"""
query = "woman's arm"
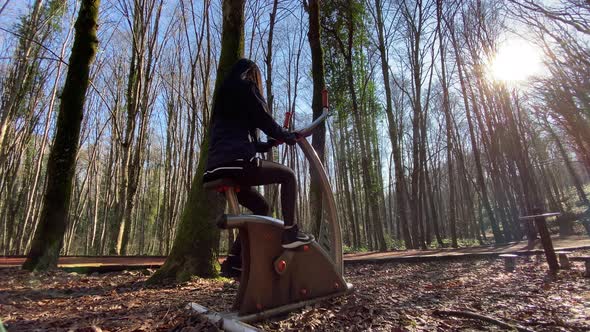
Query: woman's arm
(259, 117)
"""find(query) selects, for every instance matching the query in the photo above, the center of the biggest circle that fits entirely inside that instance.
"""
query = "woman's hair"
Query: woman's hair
(240, 78)
(243, 70)
(253, 75)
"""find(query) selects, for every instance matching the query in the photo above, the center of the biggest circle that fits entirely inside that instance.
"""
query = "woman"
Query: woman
(239, 110)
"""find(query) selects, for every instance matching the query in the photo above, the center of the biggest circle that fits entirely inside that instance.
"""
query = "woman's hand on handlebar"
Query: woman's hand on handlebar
(292, 137)
(273, 142)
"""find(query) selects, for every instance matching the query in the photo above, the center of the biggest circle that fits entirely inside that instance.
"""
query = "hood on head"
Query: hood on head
(239, 69)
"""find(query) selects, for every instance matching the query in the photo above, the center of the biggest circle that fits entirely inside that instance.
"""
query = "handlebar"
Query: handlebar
(307, 131)
(304, 132)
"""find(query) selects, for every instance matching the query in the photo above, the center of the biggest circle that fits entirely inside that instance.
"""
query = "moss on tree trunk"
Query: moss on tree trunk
(53, 221)
(193, 252)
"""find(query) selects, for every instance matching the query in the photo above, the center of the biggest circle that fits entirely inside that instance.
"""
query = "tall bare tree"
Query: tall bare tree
(60, 170)
(319, 136)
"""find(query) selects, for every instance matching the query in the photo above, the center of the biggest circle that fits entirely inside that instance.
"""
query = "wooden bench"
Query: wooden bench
(509, 262)
(586, 260)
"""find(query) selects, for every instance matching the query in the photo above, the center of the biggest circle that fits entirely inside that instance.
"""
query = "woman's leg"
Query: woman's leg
(253, 201)
(267, 172)
(261, 172)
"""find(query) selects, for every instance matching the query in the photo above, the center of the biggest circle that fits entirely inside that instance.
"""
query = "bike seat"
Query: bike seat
(219, 183)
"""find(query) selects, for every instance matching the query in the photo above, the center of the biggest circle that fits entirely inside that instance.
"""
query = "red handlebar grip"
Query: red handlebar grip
(287, 120)
(325, 101)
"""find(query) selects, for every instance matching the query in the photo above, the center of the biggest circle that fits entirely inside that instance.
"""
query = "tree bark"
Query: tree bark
(193, 252)
(449, 126)
(319, 135)
(268, 192)
(393, 130)
(50, 231)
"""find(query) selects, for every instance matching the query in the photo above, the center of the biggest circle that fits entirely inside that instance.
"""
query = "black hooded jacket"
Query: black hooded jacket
(238, 111)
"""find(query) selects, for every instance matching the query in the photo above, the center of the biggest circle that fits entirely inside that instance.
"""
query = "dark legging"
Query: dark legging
(256, 173)
(267, 172)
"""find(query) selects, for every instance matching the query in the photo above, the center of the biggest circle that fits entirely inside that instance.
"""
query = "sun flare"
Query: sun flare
(515, 61)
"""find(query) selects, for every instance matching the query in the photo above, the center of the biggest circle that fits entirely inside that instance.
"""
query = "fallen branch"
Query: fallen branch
(466, 314)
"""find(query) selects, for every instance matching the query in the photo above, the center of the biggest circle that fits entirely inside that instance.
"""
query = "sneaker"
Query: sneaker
(231, 267)
(293, 238)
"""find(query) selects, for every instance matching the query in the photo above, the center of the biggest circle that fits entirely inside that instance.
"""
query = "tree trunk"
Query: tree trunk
(268, 192)
(432, 206)
(19, 77)
(402, 213)
(498, 237)
(449, 127)
(568, 164)
(50, 231)
(358, 124)
(193, 252)
(319, 135)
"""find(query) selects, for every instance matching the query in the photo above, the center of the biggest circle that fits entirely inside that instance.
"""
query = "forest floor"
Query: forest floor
(409, 296)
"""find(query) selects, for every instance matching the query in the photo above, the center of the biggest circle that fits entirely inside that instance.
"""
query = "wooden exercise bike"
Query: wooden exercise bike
(275, 280)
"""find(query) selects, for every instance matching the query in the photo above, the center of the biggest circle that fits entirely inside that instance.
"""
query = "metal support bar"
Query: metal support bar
(234, 323)
(290, 307)
(227, 323)
(240, 220)
(232, 201)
